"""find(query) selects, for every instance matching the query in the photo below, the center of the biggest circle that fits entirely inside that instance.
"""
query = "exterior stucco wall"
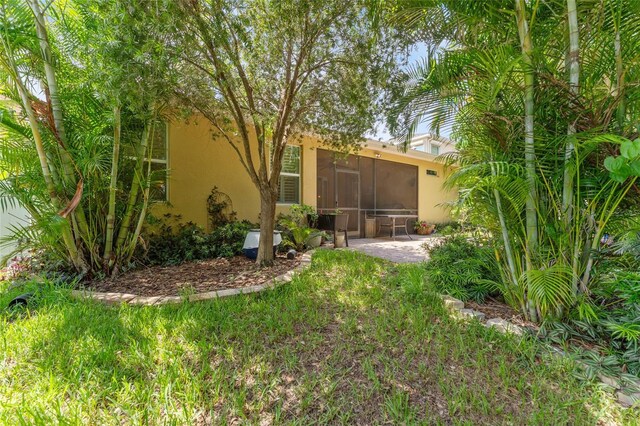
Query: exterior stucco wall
(14, 215)
(198, 161)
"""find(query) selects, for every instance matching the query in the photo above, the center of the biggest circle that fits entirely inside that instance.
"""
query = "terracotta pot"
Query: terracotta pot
(422, 231)
(426, 230)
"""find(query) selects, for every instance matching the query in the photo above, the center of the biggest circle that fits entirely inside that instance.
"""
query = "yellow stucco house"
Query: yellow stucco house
(377, 179)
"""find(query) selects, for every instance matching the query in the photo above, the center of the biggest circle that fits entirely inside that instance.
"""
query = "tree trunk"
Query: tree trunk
(267, 225)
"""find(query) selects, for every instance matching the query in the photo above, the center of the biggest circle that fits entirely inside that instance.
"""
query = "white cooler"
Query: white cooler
(250, 247)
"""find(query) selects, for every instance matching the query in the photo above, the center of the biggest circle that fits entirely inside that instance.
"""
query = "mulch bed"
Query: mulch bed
(194, 277)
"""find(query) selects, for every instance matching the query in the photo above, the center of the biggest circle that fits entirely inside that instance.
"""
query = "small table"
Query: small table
(393, 225)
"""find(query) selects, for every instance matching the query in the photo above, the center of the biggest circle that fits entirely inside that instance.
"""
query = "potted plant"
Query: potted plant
(423, 228)
(314, 239)
(304, 213)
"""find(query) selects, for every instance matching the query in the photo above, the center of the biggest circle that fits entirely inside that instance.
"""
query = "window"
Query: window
(155, 162)
(290, 176)
(435, 149)
(158, 154)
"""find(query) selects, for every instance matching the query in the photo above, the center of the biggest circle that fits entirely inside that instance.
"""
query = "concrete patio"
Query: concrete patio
(400, 250)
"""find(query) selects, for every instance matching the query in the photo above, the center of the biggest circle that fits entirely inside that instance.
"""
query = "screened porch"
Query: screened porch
(364, 187)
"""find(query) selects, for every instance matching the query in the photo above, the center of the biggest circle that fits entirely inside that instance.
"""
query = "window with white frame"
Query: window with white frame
(290, 176)
(435, 149)
(157, 160)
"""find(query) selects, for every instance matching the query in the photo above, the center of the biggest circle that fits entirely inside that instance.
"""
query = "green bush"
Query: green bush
(173, 245)
(461, 269)
(228, 239)
(612, 330)
(448, 228)
(296, 227)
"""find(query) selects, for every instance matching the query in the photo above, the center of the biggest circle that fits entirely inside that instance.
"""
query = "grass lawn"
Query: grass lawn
(351, 340)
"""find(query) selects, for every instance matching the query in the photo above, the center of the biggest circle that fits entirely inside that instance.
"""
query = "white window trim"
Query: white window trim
(298, 175)
(164, 161)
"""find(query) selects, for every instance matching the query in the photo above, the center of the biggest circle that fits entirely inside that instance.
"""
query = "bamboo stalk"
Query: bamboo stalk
(141, 149)
(56, 106)
(529, 147)
(574, 82)
(621, 111)
(145, 205)
(79, 224)
(505, 236)
(67, 236)
(108, 245)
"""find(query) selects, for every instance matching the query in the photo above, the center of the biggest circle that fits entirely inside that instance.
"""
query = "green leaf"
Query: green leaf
(630, 149)
(618, 177)
(635, 167)
(614, 164)
(550, 288)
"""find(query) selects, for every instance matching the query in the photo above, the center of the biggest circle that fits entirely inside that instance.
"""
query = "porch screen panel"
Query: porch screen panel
(348, 196)
(348, 190)
(396, 186)
(367, 191)
(367, 197)
(348, 163)
(326, 180)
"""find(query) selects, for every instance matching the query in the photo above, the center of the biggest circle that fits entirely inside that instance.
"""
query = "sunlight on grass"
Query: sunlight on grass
(351, 340)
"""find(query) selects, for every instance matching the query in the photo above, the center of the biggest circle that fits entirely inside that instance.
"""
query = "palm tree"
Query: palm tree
(86, 82)
(532, 90)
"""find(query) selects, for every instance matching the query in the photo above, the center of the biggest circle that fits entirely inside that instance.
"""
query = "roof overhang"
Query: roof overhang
(396, 150)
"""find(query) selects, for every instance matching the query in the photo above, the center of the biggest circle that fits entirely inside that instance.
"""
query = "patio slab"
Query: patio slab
(400, 250)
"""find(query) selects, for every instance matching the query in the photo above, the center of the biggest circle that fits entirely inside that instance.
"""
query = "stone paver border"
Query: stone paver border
(132, 299)
(625, 397)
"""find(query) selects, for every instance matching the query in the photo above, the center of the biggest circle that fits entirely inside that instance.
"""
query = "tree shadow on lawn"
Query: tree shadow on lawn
(352, 340)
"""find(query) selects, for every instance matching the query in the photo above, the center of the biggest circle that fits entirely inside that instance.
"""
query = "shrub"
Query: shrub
(448, 228)
(612, 330)
(296, 227)
(175, 244)
(41, 263)
(228, 239)
(461, 269)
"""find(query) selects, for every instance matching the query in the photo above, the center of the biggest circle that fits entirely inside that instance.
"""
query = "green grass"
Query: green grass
(351, 340)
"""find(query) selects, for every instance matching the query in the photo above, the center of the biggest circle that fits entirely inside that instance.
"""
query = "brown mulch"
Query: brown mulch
(495, 309)
(194, 277)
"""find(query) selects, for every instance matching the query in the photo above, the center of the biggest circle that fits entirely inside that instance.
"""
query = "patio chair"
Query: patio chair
(384, 223)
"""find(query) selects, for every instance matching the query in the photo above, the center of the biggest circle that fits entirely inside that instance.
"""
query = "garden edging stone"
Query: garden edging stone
(133, 299)
(624, 397)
